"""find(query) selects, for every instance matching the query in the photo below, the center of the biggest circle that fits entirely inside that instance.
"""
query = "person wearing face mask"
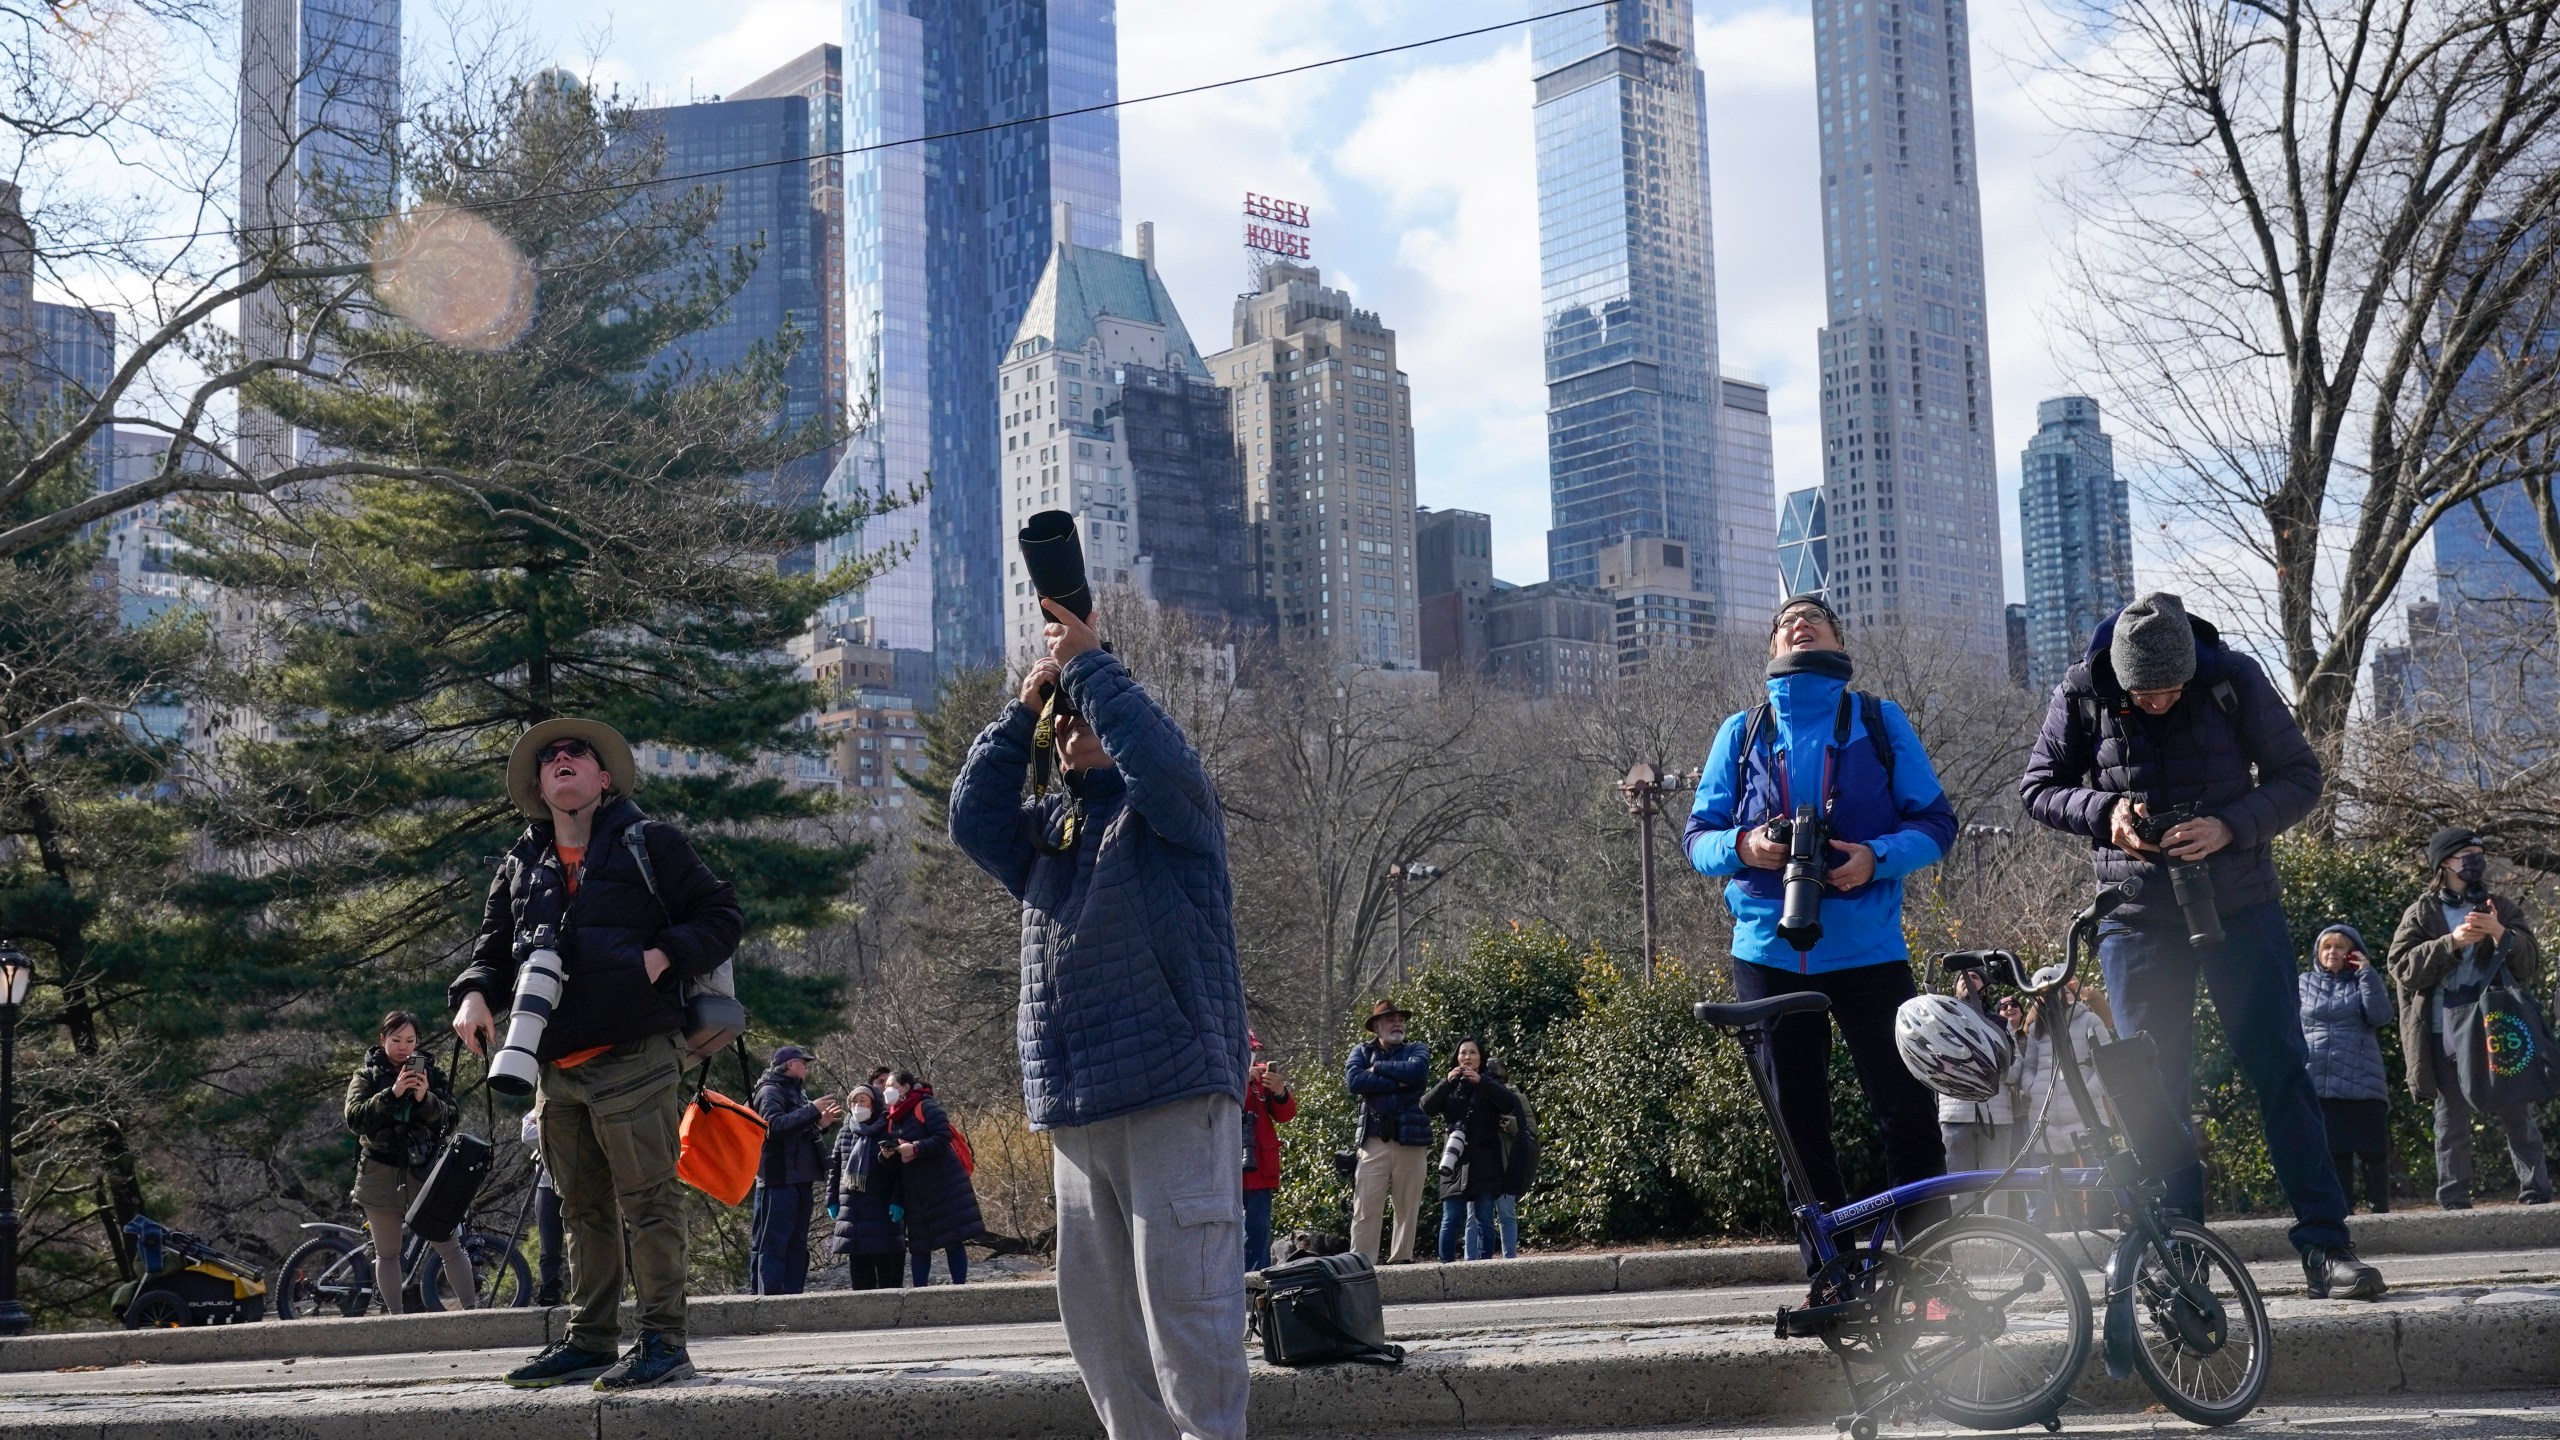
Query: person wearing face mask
(861, 1196)
(1387, 1076)
(1131, 1030)
(1856, 761)
(2450, 943)
(2162, 724)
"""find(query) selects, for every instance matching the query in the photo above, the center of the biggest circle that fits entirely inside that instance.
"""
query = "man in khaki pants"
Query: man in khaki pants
(635, 914)
(1388, 1076)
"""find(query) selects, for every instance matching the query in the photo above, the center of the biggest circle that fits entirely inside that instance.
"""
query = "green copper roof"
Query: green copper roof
(1083, 284)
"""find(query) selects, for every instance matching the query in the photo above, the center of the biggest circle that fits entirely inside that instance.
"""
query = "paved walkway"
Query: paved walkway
(1725, 1316)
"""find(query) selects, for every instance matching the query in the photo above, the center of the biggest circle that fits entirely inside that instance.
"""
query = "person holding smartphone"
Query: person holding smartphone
(2450, 942)
(1268, 1104)
(398, 1105)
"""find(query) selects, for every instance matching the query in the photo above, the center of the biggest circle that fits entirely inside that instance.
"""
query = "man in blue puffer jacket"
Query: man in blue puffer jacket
(1819, 743)
(1131, 1031)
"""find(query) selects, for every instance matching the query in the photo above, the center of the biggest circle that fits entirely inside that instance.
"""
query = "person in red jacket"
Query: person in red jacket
(1268, 1104)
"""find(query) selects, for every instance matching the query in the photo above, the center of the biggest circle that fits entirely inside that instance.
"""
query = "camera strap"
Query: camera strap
(1830, 757)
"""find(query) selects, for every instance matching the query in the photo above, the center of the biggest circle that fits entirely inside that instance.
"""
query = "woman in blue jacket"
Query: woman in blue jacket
(2344, 1007)
(1855, 759)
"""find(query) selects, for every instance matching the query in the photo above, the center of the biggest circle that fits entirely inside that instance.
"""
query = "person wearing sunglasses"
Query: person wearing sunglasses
(637, 914)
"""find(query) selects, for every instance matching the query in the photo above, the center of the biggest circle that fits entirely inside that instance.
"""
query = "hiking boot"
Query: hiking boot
(2336, 1273)
(656, 1360)
(559, 1364)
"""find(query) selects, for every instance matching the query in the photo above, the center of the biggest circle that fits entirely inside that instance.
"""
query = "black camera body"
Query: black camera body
(2190, 881)
(1807, 872)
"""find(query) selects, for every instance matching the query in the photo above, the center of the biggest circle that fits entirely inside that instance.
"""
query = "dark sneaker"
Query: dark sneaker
(656, 1360)
(2336, 1273)
(547, 1296)
(559, 1364)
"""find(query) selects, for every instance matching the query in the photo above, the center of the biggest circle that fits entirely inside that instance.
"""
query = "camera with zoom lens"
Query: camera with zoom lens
(1453, 1153)
(1808, 870)
(2189, 880)
(1053, 557)
(541, 976)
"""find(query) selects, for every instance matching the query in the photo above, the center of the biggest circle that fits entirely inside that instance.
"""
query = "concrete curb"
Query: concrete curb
(2426, 1232)
(1610, 1381)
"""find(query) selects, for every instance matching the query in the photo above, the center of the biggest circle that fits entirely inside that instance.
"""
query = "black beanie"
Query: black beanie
(2442, 844)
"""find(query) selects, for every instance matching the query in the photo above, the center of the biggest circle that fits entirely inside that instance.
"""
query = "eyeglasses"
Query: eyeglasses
(573, 749)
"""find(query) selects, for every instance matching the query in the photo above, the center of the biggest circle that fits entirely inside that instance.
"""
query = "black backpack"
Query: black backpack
(1868, 707)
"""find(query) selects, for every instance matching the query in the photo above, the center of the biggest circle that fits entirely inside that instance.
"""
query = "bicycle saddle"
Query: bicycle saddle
(1753, 1012)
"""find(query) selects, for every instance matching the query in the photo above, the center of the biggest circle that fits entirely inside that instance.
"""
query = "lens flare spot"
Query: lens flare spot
(450, 273)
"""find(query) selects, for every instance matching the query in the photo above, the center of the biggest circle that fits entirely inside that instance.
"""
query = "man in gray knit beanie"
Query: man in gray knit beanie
(2155, 645)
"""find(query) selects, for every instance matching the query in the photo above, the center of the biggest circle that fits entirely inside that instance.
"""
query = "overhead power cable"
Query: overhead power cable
(574, 192)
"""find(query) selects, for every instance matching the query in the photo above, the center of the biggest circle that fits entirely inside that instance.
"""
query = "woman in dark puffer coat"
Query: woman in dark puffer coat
(1473, 1098)
(933, 1189)
(2344, 1007)
(860, 1199)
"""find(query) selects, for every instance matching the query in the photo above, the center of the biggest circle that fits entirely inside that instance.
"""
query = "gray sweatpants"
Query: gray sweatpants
(1151, 1268)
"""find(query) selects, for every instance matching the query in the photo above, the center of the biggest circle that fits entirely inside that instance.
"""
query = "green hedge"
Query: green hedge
(1649, 1128)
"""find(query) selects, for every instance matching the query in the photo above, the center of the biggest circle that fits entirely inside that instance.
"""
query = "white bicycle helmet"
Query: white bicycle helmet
(1954, 1048)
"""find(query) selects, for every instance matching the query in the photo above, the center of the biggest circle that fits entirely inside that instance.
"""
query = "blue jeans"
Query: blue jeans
(1257, 1230)
(2151, 976)
(1469, 1221)
(1502, 1226)
(781, 1239)
(955, 1259)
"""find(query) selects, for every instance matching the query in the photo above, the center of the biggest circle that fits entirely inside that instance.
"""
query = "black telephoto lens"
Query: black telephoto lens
(1053, 557)
(1800, 910)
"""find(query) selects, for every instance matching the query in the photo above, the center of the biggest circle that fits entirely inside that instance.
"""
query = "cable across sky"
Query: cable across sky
(574, 192)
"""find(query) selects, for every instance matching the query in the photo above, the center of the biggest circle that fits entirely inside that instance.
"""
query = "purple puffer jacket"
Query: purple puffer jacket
(2195, 753)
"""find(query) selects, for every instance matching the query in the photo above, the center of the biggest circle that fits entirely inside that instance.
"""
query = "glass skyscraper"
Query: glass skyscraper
(1804, 545)
(767, 210)
(1910, 485)
(2076, 527)
(319, 122)
(1628, 275)
(945, 242)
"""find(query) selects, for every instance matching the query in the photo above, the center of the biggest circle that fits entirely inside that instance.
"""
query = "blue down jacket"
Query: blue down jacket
(1132, 996)
(2196, 754)
(858, 1192)
(1906, 820)
(2342, 1019)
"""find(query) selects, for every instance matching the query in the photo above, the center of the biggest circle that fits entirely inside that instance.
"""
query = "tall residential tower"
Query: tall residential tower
(2076, 527)
(945, 241)
(1910, 487)
(1628, 261)
(1324, 426)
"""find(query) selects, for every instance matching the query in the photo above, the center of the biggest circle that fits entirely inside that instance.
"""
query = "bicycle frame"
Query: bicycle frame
(1818, 1230)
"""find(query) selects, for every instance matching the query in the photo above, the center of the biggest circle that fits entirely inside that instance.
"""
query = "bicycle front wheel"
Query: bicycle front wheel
(2202, 1339)
(501, 1278)
(1994, 1322)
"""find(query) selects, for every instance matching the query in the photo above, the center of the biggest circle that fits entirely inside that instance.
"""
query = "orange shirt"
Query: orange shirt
(571, 858)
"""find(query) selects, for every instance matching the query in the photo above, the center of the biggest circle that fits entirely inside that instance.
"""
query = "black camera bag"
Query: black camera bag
(1321, 1310)
(454, 1182)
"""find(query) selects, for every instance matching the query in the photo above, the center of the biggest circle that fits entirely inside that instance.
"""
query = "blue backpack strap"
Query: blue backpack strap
(1751, 728)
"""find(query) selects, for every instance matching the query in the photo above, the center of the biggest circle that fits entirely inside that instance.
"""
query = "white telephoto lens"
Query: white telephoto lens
(538, 985)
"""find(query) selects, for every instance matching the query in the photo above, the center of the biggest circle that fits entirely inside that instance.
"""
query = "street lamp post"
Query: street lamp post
(1643, 791)
(1397, 874)
(15, 974)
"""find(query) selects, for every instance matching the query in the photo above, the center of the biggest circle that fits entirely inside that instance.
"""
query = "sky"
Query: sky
(1420, 174)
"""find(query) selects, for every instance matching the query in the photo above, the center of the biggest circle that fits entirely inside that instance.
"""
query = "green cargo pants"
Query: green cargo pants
(609, 1140)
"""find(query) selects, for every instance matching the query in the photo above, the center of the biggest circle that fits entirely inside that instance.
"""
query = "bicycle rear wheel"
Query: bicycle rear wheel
(324, 1275)
(1994, 1322)
(2202, 1340)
